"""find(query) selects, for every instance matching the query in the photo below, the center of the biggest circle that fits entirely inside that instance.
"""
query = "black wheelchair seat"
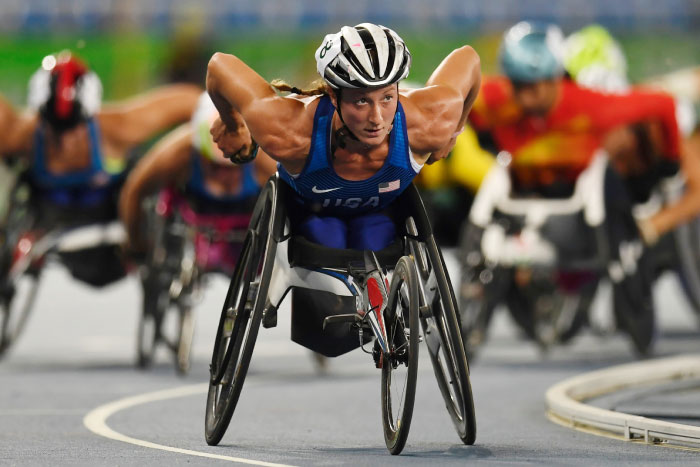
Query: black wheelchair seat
(307, 254)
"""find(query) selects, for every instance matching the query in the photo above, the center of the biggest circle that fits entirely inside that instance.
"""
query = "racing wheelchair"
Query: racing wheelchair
(543, 257)
(87, 241)
(187, 247)
(677, 251)
(273, 261)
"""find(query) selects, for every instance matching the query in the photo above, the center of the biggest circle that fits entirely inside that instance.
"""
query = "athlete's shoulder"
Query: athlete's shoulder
(495, 104)
(495, 91)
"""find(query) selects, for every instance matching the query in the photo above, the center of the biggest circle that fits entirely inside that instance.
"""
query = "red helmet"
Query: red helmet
(64, 91)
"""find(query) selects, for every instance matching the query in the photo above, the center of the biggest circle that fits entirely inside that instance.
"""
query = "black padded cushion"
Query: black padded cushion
(306, 254)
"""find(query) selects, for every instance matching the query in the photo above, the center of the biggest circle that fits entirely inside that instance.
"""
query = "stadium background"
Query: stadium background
(136, 44)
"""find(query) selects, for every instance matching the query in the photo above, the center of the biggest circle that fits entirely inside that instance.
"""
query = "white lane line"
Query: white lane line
(96, 421)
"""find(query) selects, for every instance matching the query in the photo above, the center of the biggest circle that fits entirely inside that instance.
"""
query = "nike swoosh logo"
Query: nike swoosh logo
(316, 190)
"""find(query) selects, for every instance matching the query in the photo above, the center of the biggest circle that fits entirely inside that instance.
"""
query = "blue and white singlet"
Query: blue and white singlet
(321, 189)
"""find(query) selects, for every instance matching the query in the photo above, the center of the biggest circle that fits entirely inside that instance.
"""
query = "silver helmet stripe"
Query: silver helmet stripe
(332, 79)
(344, 63)
(382, 44)
(357, 46)
(399, 55)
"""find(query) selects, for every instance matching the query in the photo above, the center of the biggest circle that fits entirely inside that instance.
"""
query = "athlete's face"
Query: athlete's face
(369, 113)
(536, 98)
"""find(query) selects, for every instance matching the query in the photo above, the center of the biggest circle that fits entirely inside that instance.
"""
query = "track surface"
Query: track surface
(76, 357)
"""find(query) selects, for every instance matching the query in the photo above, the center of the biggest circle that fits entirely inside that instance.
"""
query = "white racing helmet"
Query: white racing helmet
(204, 115)
(363, 56)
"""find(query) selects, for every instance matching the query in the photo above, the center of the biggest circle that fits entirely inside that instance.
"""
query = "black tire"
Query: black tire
(17, 296)
(548, 315)
(686, 243)
(148, 335)
(480, 290)
(632, 291)
(633, 306)
(241, 317)
(401, 318)
(441, 329)
(159, 326)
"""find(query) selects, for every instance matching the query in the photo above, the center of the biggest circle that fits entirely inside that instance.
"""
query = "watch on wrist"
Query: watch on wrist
(238, 158)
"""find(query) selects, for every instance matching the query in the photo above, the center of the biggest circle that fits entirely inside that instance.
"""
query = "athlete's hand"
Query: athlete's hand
(236, 143)
(444, 151)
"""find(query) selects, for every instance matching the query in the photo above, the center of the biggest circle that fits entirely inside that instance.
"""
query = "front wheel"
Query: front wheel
(441, 329)
(400, 366)
(241, 317)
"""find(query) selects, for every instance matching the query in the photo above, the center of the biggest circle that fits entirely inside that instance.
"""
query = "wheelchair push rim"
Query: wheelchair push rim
(400, 365)
(240, 318)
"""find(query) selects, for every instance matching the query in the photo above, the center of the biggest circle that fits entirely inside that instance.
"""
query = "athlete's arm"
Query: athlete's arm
(688, 206)
(265, 166)
(612, 110)
(167, 162)
(16, 129)
(436, 114)
(142, 117)
(282, 126)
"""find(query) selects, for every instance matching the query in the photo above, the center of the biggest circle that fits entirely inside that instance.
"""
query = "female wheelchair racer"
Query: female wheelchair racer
(347, 150)
(274, 261)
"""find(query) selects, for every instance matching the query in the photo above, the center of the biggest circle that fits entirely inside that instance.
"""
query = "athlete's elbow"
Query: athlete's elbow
(215, 69)
(472, 63)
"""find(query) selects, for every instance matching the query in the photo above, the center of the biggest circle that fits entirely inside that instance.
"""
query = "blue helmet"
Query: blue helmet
(532, 52)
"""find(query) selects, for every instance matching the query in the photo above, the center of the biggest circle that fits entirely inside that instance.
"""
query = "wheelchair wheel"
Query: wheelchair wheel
(442, 334)
(17, 296)
(686, 242)
(17, 289)
(184, 342)
(149, 325)
(165, 321)
(479, 291)
(481, 287)
(633, 306)
(400, 366)
(548, 315)
(241, 317)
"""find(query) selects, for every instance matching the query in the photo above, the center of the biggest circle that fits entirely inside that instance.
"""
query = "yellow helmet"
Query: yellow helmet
(594, 48)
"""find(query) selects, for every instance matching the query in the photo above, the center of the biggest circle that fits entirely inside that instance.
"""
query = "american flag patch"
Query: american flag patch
(390, 186)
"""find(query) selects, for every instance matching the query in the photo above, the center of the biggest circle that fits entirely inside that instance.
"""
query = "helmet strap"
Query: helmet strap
(343, 133)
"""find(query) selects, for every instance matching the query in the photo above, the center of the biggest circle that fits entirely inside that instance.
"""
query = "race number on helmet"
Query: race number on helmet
(363, 56)
(64, 91)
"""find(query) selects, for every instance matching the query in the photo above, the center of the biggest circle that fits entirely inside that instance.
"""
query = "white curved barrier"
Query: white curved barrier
(565, 400)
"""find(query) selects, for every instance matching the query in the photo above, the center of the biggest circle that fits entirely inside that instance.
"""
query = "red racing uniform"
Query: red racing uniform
(560, 144)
